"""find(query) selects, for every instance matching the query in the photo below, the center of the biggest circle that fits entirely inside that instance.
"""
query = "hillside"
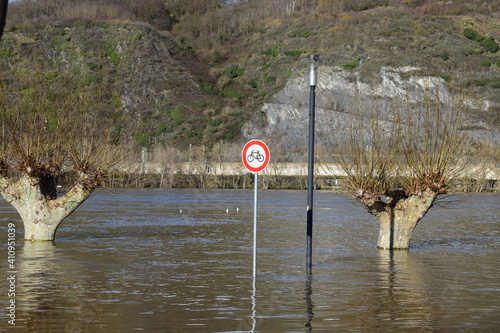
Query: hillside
(199, 76)
(154, 93)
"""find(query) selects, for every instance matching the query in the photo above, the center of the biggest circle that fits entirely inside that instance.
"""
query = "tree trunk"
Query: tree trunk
(398, 222)
(41, 211)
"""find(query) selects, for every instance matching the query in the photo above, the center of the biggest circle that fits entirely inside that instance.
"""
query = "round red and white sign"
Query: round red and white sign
(255, 156)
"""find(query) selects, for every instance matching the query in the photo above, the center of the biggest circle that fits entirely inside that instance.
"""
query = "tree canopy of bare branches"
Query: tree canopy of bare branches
(54, 132)
(399, 166)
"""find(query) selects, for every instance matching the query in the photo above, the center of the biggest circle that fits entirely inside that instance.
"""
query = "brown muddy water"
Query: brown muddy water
(131, 260)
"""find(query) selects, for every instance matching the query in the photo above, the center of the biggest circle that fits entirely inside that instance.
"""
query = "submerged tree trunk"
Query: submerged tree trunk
(399, 219)
(36, 201)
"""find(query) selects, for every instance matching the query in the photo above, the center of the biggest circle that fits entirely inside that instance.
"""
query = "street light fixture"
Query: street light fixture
(312, 68)
(312, 71)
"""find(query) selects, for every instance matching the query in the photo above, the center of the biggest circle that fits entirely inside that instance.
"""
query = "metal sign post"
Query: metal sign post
(255, 200)
(312, 68)
(255, 156)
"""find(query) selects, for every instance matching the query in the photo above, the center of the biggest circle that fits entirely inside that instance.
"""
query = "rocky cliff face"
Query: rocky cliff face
(341, 92)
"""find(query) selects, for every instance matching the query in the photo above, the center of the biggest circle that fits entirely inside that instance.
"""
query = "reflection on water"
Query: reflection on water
(181, 261)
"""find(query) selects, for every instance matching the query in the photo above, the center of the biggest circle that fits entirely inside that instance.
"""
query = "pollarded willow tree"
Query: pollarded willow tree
(399, 166)
(55, 128)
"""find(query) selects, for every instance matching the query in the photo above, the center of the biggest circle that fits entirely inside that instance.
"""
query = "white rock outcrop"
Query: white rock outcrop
(338, 93)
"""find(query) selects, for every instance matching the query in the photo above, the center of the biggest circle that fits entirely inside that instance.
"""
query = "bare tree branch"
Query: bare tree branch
(52, 128)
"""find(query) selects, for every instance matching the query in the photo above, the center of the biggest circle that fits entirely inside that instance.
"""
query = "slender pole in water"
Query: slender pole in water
(310, 180)
(254, 306)
(312, 67)
(255, 224)
(254, 301)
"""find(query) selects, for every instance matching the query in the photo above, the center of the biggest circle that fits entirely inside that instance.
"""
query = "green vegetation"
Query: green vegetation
(209, 88)
(445, 56)
(5, 52)
(216, 56)
(51, 75)
(233, 71)
(446, 78)
(116, 100)
(486, 63)
(305, 34)
(270, 80)
(143, 139)
(176, 116)
(352, 65)
(295, 54)
(489, 44)
(252, 83)
(111, 53)
(89, 79)
(231, 93)
(478, 83)
(273, 51)
(472, 34)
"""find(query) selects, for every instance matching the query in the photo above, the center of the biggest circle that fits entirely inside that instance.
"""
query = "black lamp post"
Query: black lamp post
(312, 69)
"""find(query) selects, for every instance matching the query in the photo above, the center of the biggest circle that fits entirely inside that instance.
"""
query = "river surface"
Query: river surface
(182, 261)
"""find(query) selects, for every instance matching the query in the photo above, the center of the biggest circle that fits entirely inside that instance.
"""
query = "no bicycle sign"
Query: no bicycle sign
(255, 156)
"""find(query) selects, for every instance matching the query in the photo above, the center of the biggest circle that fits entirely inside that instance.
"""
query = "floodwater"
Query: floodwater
(177, 261)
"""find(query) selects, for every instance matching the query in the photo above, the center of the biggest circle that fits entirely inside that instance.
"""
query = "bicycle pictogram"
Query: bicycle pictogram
(255, 155)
